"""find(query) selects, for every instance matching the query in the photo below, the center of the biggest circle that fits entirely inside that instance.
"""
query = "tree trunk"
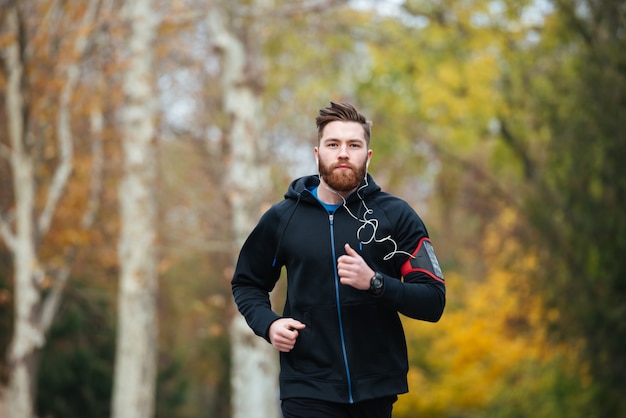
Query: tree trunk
(34, 313)
(136, 355)
(254, 379)
(27, 336)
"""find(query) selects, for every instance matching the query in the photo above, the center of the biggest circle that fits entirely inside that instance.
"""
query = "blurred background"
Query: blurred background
(140, 141)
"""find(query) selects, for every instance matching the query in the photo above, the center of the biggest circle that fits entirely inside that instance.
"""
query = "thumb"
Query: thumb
(350, 251)
(295, 324)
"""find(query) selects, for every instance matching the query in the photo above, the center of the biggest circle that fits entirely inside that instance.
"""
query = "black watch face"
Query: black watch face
(377, 282)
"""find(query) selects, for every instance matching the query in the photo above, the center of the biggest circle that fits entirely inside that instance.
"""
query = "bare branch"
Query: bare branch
(14, 97)
(312, 6)
(21, 164)
(5, 152)
(280, 12)
(51, 303)
(184, 18)
(517, 147)
(97, 168)
(64, 129)
(7, 235)
(496, 188)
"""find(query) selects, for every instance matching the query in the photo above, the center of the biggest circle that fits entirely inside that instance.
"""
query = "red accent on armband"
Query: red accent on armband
(408, 267)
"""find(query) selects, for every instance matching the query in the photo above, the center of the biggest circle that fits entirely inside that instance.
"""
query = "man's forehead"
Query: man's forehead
(343, 130)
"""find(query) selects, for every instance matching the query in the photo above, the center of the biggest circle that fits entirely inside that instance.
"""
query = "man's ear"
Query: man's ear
(317, 158)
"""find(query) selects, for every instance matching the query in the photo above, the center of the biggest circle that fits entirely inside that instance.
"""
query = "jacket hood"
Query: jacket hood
(299, 185)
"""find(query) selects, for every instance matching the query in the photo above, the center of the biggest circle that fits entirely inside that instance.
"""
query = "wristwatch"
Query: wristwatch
(376, 284)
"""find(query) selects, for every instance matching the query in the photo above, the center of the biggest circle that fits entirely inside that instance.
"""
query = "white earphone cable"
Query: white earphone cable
(373, 223)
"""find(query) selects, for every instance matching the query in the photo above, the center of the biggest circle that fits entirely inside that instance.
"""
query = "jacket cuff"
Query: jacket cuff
(262, 327)
(392, 290)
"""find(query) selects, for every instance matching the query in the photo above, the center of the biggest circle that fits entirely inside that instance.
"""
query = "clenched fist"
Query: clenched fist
(284, 332)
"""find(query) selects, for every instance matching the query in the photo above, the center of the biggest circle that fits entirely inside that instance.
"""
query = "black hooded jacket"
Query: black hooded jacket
(353, 347)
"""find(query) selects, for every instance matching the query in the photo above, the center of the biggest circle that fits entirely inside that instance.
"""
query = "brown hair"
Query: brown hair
(344, 112)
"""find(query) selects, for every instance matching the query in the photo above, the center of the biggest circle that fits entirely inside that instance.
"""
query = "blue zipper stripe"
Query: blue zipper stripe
(341, 332)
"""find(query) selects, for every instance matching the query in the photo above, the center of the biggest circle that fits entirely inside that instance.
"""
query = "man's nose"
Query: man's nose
(343, 151)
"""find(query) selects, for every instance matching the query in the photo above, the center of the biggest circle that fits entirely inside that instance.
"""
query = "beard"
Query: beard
(342, 180)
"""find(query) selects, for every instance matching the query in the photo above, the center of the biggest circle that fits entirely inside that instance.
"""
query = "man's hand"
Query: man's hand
(353, 270)
(284, 332)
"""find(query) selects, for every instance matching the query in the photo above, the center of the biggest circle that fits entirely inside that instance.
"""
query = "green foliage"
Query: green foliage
(6, 311)
(194, 319)
(75, 377)
(172, 387)
(76, 373)
(574, 93)
(532, 389)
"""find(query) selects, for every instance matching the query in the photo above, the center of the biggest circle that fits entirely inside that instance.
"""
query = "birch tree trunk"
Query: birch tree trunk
(136, 352)
(254, 379)
(34, 313)
(27, 337)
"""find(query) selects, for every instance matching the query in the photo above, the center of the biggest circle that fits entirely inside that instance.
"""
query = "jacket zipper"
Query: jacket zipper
(341, 332)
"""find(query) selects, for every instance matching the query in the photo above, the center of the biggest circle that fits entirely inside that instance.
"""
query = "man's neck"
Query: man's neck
(326, 194)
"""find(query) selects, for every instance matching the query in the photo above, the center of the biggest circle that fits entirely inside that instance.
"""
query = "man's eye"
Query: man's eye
(332, 145)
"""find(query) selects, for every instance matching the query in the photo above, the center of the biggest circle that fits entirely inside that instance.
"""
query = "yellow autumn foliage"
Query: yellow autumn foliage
(491, 328)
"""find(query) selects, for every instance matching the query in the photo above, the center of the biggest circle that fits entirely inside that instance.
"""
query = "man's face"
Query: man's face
(342, 155)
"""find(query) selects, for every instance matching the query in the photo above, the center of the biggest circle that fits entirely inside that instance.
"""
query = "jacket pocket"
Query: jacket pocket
(317, 353)
(375, 340)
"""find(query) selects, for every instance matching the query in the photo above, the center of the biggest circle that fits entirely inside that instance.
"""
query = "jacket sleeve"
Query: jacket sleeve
(255, 275)
(421, 294)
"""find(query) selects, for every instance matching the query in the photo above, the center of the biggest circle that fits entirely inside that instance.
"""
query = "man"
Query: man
(355, 258)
